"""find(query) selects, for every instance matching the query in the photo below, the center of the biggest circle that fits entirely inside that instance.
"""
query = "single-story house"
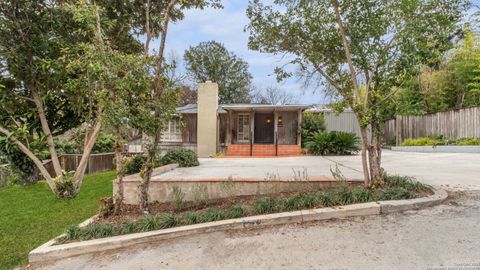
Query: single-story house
(234, 129)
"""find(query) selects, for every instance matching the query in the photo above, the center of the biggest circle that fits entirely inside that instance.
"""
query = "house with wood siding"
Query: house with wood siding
(233, 129)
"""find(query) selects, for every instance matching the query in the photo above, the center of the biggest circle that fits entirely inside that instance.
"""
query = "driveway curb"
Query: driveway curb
(50, 252)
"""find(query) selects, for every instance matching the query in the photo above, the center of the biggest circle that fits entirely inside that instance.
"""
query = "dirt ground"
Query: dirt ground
(440, 237)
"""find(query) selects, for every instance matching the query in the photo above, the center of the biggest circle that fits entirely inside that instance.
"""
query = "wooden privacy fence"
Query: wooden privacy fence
(96, 163)
(454, 124)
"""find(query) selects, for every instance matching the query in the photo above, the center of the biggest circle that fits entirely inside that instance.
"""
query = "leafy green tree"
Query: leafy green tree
(58, 72)
(153, 19)
(212, 61)
(452, 84)
(361, 49)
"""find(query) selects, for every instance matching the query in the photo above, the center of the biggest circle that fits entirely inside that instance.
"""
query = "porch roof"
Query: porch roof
(223, 108)
(264, 107)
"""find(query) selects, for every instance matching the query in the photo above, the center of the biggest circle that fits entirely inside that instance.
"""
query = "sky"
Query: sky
(227, 26)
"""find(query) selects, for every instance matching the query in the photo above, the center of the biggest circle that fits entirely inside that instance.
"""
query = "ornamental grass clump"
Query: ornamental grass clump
(212, 214)
(235, 211)
(264, 206)
(393, 188)
(326, 199)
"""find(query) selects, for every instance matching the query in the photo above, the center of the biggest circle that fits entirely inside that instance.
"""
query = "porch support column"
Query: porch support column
(228, 139)
(299, 128)
(252, 131)
(275, 131)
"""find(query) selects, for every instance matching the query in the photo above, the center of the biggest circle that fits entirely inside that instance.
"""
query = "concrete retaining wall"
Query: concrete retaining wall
(438, 149)
(208, 189)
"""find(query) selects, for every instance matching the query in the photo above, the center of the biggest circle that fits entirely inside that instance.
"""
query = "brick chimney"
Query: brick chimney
(207, 119)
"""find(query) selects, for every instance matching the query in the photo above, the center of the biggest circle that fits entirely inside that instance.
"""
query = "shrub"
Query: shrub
(263, 206)
(307, 201)
(326, 198)
(183, 157)
(407, 182)
(65, 185)
(134, 165)
(127, 227)
(166, 221)
(149, 223)
(468, 141)
(21, 163)
(65, 147)
(362, 195)
(333, 142)
(190, 218)
(344, 195)
(72, 232)
(212, 214)
(235, 211)
(424, 141)
(104, 144)
(311, 123)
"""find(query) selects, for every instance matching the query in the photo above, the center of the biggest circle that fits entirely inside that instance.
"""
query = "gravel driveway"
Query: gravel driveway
(444, 236)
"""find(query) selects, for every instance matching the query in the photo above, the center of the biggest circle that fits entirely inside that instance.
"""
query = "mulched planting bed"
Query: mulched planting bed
(168, 215)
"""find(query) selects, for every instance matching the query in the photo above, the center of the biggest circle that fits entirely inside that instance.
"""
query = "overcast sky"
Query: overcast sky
(227, 26)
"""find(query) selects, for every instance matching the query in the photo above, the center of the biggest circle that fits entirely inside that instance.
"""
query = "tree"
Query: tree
(212, 61)
(451, 84)
(55, 75)
(361, 49)
(153, 21)
(273, 95)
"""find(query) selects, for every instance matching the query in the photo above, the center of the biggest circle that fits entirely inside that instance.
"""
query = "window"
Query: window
(173, 133)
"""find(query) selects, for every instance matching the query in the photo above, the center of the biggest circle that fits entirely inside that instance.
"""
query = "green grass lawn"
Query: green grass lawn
(31, 215)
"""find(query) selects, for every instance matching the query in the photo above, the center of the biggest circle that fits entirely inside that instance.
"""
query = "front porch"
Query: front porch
(263, 130)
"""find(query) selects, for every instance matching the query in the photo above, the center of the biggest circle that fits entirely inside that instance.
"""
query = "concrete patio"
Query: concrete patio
(455, 170)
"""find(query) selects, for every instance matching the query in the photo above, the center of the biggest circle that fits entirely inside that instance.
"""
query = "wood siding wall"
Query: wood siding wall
(222, 128)
(454, 124)
(189, 131)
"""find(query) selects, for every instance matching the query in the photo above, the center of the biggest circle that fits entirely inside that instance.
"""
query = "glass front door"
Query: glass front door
(243, 134)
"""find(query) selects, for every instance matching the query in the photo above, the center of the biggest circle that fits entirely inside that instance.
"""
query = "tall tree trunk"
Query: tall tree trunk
(38, 163)
(365, 167)
(158, 88)
(375, 154)
(46, 130)
(80, 172)
(118, 196)
(147, 174)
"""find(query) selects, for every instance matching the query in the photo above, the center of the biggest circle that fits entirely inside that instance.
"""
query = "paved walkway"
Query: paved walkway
(459, 171)
(433, 238)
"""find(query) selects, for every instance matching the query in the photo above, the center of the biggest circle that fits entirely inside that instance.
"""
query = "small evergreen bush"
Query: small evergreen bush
(183, 157)
(134, 165)
(65, 186)
(333, 143)
(312, 123)
(424, 141)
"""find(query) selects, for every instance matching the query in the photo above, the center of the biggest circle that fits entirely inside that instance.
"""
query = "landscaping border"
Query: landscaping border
(438, 149)
(49, 252)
